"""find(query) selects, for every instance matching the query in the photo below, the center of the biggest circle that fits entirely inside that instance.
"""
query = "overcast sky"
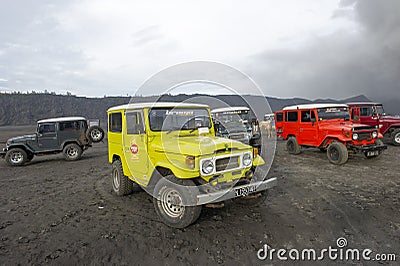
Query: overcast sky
(304, 48)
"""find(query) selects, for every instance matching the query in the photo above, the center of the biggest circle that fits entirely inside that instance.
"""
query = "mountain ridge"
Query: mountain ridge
(26, 109)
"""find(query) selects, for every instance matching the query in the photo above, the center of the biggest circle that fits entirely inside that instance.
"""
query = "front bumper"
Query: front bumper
(367, 148)
(235, 192)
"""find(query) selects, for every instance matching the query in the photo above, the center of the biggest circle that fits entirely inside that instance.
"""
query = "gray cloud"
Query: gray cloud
(34, 52)
(340, 64)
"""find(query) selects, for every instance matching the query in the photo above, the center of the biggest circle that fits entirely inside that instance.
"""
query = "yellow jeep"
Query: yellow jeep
(171, 151)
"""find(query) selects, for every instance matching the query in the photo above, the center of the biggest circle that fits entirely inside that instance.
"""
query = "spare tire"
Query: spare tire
(95, 134)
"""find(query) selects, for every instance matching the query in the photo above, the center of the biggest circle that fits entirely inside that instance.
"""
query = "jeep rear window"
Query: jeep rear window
(168, 119)
(292, 116)
(279, 117)
(115, 122)
(333, 113)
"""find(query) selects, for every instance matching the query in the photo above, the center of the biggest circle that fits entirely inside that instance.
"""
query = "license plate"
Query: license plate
(245, 191)
(372, 153)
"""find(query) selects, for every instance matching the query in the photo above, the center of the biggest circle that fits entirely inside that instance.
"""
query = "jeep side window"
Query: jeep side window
(292, 116)
(134, 123)
(71, 125)
(47, 128)
(366, 111)
(115, 122)
(305, 116)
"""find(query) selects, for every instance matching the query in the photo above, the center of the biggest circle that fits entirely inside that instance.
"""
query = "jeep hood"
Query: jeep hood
(197, 145)
(346, 126)
(390, 119)
(21, 139)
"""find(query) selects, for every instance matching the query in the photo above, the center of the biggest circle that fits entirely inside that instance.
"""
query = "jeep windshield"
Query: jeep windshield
(240, 115)
(380, 110)
(170, 119)
(331, 113)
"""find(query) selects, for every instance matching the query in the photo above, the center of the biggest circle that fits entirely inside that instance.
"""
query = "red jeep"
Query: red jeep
(328, 127)
(373, 114)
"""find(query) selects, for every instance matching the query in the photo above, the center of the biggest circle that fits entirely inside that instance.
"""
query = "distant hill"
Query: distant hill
(26, 109)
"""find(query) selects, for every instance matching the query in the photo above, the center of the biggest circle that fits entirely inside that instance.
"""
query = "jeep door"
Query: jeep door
(135, 146)
(308, 128)
(47, 137)
(368, 115)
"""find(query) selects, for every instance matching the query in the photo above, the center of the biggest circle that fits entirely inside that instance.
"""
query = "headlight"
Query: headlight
(374, 135)
(355, 136)
(247, 159)
(207, 167)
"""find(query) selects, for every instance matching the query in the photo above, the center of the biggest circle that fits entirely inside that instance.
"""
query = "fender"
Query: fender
(392, 127)
(258, 160)
(329, 140)
(20, 145)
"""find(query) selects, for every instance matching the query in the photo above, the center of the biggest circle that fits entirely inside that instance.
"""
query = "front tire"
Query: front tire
(292, 146)
(175, 201)
(16, 157)
(121, 184)
(337, 153)
(395, 137)
(72, 152)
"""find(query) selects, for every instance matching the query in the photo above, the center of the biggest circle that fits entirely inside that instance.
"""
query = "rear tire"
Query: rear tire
(292, 146)
(395, 137)
(95, 134)
(121, 184)
(72, 152)
(337, 153)
(16, 157)
(174, 201)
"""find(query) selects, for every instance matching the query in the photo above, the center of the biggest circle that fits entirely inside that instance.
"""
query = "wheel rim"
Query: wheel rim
(95, 134)
(72, 152)
(16, 157)
(397, 138)
(171, 203)
(116, 179)
(334, 154)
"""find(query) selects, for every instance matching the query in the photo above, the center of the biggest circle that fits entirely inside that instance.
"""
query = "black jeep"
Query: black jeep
(70, 135)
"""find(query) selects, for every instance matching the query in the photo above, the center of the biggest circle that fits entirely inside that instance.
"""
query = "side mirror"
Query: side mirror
(356, 117)
(313, 120)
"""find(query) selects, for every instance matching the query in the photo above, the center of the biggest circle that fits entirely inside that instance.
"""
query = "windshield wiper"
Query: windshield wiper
(173, 129)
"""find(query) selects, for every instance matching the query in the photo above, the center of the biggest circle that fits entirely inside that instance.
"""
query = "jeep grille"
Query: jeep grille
(227, 163)
(239, 136)
(364, 128)
(364, 135)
